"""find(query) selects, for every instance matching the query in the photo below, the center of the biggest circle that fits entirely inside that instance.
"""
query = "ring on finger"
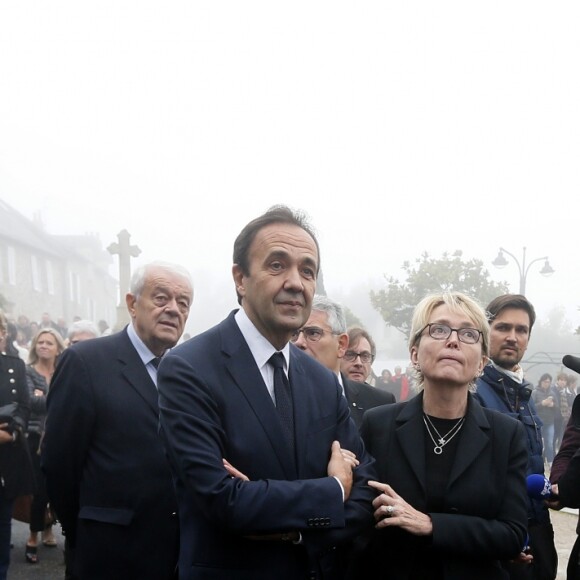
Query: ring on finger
(390, 509)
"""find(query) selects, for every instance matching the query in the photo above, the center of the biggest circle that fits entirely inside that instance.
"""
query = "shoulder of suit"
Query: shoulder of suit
(383, 411)
(369, 390)
(380, 395)
(309, 362)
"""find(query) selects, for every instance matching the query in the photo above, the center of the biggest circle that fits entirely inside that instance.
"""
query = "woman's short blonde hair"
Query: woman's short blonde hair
(456, 302)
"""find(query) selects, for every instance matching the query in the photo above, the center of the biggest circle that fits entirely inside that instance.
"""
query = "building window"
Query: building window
(11, 255)
(49, 278)
(35, 274)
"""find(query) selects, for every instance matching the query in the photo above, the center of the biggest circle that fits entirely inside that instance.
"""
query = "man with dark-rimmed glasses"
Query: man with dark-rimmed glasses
(503, 387)
(357, 360)
(324, 337)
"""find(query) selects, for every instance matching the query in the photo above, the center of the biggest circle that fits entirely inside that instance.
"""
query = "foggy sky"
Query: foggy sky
(399, 129)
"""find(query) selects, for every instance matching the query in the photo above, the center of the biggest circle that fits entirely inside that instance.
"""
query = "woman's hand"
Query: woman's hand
(392, 510)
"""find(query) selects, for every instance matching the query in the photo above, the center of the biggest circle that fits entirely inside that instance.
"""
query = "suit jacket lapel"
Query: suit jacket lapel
(244, 372)
(409, 433)
(472, 441)
(134, 371)
(351, 390)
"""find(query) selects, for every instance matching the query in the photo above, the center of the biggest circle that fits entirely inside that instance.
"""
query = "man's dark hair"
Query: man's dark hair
(277, 214)
(517, 301)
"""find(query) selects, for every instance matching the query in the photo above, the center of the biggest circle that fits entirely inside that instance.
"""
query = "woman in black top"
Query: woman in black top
(452, 498)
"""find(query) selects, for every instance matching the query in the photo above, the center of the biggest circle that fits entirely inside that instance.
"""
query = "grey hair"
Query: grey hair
(81, 326)
(334, 313)
(140, 274)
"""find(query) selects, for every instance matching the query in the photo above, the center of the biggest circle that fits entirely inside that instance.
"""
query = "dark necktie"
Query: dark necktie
(155, 361)
(283, 396)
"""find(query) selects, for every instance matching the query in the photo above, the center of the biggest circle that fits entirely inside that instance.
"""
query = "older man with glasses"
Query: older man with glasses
(324, 337)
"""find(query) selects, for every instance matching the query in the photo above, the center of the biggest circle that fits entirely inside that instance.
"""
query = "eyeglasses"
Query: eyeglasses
(311, 333)
(443, 332)
(365, 356)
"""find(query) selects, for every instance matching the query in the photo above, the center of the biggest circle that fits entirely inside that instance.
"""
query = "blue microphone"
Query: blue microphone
(539, 487)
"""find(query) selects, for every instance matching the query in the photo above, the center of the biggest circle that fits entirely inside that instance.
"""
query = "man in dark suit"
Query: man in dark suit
(325, 338)
(106, 471)
(257, 432)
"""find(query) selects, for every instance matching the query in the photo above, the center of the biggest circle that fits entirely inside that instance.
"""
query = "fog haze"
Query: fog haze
(398, 128)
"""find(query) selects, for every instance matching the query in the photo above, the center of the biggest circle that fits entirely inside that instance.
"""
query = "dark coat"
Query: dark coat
(485, 519)
(107, 476)
(566, 473)
(36, 381)
(362, 397)
(213, 405)
(496, 390)
(15, 467)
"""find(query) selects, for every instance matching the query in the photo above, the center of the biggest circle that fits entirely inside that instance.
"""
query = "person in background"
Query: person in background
(258, 433)
(504, 388)
(545, 399)
(23, 327)
(12, 342)
(82, 330)
(324, 338)
(384, 380)
(34, 328)
(45, 349)
(400, 384)
(564, 400)
(357, 361)
(411, 381)
(104, 328)
(61, 327)
(15, 469)
(106, 471)
(452, 495)
(47, 322)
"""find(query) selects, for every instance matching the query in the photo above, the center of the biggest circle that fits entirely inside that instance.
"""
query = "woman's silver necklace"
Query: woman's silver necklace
(441, 440)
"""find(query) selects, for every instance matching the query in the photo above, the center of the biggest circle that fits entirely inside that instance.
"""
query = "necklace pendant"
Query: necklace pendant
(438, 450)
(442, 441)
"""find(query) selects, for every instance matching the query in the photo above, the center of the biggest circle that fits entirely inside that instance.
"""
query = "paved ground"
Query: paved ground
(565, 533)
(51, 562)
(51, 565)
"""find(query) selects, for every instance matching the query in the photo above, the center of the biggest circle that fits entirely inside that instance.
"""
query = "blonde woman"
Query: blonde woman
(45, 348)
(451, 501)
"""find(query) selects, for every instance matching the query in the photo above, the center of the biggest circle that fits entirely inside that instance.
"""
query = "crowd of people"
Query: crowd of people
(266, 447)
(34, 348)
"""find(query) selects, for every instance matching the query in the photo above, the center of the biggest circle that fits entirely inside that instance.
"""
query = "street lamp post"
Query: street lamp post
(500, 261)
